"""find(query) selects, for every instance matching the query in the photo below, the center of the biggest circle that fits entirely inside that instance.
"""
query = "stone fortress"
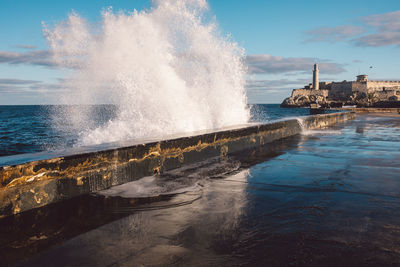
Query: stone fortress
(361, 93)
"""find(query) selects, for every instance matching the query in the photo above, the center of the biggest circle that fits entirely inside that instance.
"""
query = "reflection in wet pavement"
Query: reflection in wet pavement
(329, 197)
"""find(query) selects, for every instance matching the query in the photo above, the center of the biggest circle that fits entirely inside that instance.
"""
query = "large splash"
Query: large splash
(166, 69)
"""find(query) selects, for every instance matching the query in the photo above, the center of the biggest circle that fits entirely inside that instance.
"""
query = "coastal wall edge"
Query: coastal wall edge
(38, 183)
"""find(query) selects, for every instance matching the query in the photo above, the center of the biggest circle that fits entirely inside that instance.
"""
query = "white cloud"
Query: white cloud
(385, 22)
(36, 57)
(379, 39)
(17, 81)
(333, 34)
(25, 46)
(377, 30)
(387, 30)
(274, 84)
(9, 85)
(267, 64)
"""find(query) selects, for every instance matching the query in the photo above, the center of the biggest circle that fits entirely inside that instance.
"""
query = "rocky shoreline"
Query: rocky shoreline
(358, 99)
(360, 93)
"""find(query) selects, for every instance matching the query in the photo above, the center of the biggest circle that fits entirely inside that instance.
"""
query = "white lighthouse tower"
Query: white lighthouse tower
(315, 77)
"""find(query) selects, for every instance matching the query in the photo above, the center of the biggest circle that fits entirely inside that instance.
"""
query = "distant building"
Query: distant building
(362, 78)
(343, 90)
(362, 90)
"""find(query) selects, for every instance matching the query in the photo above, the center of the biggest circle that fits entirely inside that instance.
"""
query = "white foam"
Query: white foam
(166, 69)
(301, 123)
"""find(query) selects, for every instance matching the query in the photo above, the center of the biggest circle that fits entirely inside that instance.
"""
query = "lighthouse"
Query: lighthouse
(315, 77)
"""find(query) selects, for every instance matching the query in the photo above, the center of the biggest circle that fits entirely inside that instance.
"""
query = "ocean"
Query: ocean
(31, 128)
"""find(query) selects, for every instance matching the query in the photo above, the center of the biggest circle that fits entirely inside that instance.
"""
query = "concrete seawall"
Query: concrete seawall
(35, 180)
(371, 110)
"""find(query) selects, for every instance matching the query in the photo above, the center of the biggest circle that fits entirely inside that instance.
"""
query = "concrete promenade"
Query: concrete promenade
(326, 197)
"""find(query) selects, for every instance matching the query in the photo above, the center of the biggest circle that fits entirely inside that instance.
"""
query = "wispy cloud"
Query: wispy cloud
(25, 46)
(10, 85)
(267, 64)
(387, 27)
(18, 82)
(274, 84)
(379, 39)
(376, 30)
(385, 22)
(333, 34)
(36, 57)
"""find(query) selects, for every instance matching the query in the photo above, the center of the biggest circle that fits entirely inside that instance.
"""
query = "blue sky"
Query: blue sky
(282, 40)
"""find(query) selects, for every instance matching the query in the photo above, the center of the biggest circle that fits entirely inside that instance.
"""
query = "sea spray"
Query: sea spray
(301, 124)
(165, 69)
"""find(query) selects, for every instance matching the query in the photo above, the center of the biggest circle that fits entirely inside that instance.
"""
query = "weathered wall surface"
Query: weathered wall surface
(359, 86)
(306, 92)
(40, 182)
(378, 85)
(371, 110)
(341, 90)
(385, 94)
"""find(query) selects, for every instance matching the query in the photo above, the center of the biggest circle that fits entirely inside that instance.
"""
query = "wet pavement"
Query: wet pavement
(329, 197)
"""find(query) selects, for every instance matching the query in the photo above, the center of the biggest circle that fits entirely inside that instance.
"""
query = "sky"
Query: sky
(282, 40)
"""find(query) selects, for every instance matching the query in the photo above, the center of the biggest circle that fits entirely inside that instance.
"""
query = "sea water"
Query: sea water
(28, 129)
(165, 70)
